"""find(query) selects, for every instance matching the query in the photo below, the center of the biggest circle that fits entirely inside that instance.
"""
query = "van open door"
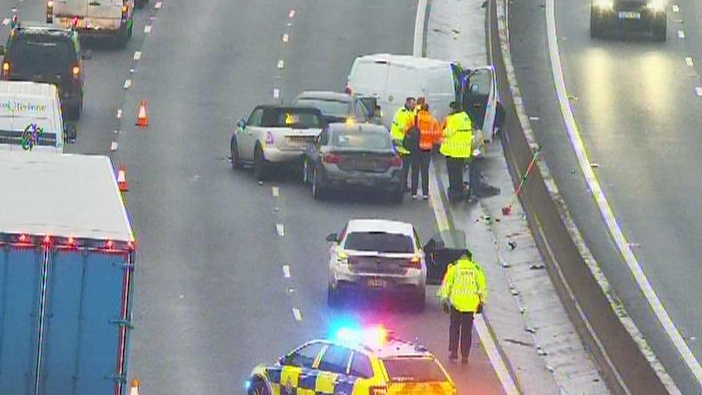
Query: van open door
(479, 99)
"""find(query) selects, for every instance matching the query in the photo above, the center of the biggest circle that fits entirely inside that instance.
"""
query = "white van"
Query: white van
(111, 18)
(392, 78)
(31, 119)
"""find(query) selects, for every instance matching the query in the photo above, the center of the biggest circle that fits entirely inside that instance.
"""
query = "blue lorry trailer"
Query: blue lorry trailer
(66, 276)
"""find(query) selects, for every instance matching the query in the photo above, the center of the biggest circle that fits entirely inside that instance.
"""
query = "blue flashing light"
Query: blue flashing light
(248, 384)
(347, 335)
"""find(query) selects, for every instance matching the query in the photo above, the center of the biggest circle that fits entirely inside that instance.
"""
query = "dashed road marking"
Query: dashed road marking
(276, 93)
(689, 61)
(286, 271)
(275, 191)
(158, 5)
(286, 37)
(534, 118)
(297, 313)
(147, 29)
(280, 229)
(281, 64)
(113, 146)
(291, 14)
(698, 90)
(127, 84)
(119, 113)
(676, 8)
(681, 34)
(137, 55)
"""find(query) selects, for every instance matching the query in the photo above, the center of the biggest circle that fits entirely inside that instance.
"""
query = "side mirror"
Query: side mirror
(282, 360)
(2, 50)
(70, 133)
(333, 238)
(241, 124)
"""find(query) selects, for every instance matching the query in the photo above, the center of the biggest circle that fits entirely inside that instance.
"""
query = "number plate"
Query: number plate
(377, 283)
(629, 15)
(69, 22)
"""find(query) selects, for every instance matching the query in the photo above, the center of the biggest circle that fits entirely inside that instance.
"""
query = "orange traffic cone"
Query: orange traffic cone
(134, 390)
(142, 118)
(122, 179)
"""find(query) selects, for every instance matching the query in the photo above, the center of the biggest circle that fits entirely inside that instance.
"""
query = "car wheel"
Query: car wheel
(660, 28)
(259, 164)
(305, 171)
(418, 301)
(333, 297)
(318, 189)
(258, 387)
(235, 158)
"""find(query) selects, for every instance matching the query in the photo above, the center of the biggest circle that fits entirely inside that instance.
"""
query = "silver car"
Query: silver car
(377, 256)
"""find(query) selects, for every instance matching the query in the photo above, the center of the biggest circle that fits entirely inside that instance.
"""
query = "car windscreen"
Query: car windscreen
(383, 242)
(37, 54)
(361, 140)
(327, 107)
(414, 370)
(291, 118)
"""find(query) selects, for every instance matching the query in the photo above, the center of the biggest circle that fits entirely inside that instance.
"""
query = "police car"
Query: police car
(354, 362)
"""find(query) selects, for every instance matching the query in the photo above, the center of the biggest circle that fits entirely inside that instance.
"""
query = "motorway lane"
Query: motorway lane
(211, 297)
(635, 105)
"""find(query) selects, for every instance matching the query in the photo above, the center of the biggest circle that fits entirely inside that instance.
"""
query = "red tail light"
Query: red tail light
(76, 72)
(332, 159)
(377, 391)
(75, 22)
(6, 68)
(395, 161)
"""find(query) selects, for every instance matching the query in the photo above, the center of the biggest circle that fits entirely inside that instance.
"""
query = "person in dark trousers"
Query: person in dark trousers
(401, 123)
(429, 136)
(457, 147)
(463, 293)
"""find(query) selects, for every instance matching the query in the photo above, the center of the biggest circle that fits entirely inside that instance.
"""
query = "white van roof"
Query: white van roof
(405, 60)
(61, 195)
(26, 88)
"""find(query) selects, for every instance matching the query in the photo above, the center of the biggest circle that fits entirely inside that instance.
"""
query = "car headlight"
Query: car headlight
(604, 4)
(656, 5)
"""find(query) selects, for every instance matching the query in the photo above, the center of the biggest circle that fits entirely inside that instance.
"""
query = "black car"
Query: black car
(43, 53)
(640, 15)
(338, 107)
(353, 156)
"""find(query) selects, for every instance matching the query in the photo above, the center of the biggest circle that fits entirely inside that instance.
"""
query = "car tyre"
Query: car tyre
(319, 191)
(75, 111)
(260, 166)
(258, 387)
(660, 28)
(333, 297)
(237, 164)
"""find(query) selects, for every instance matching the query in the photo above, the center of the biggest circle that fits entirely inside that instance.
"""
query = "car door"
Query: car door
(297, 366)
(102, 10)
(312, 154)
(332, 369)
(479, 99)
(357, 381)
(245, 136)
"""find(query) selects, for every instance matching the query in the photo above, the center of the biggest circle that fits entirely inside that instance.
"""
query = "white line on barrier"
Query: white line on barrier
(604, 206)
(419, 28)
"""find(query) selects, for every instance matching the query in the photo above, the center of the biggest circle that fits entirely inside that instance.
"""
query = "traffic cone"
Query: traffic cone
(122, 179)
(142, 118)
(134, 390)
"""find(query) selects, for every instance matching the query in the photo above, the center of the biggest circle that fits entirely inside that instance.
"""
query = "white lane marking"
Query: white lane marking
(698, 90)
(689, 61)
(534, 118)
(605, 209)
(158, 5)
(681, 34)
(280, 229)
(676, 8)
(276, 93)
(286, 37)
(6, 21)
(119, 113)
(137, 55)
(113, 146)
(147, 29)
(286, 271)
(291, 14)
(297, 313)
(281, 64)
(275, 191)
(127, 84)
(418, 48)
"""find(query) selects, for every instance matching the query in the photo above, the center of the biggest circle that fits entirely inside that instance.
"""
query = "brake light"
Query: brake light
(269, 138)
(75, 22)
(348, 90)
(414, 262)
(50, 4)
(395, 161)
(377, 391)
(76, 71)
(332, 159)
(6, 68)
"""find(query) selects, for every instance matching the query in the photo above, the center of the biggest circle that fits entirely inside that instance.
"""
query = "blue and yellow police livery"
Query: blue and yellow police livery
(354, 363)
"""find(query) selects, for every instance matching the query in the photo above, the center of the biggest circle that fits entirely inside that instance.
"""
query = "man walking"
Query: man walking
(457, 147)
(401, 123)
(429, 136)
(463, 293)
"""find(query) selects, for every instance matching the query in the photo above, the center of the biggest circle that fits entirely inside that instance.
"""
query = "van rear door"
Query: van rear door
(70, 8)
(104, 9)
(479, 99)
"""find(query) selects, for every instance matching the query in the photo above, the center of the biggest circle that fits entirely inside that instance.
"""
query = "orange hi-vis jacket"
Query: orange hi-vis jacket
(430, 132)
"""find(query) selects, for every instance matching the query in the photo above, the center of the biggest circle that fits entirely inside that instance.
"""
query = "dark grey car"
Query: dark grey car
(338, 107)
(353, 156)
(642, 15)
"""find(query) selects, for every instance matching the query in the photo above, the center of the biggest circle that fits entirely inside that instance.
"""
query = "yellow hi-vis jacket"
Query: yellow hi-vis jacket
(458, 136)
(464, 286)
(401, 123)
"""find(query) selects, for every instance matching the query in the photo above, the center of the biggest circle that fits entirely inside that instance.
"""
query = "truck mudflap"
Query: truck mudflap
(65, 316)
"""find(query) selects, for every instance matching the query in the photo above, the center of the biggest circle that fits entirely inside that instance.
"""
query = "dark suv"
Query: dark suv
(646, 15)
(42, 53)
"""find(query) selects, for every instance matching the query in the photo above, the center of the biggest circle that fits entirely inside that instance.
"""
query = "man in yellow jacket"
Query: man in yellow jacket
(463, 291)
(403, 120)
(457, 147)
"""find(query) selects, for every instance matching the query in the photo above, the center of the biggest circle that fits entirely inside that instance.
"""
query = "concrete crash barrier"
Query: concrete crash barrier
(620, 351)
